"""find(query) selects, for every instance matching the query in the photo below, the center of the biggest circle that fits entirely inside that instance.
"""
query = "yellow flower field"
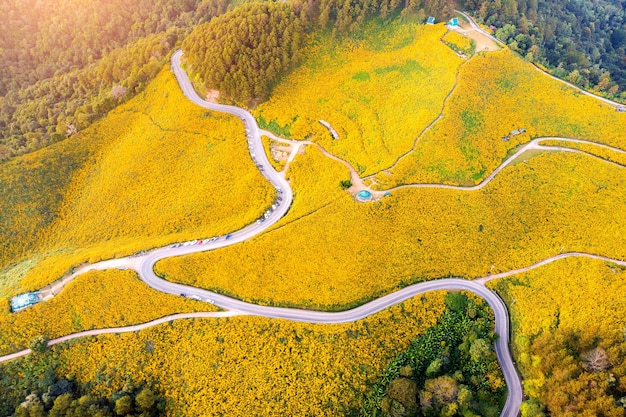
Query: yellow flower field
(561, 312)
(330, 252)
(378, 95)
(497, 93)
(167, 171)
(251, 365)
(94, 300)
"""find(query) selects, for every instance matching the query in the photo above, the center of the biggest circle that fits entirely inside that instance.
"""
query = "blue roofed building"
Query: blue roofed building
(20, 302)
(431, 20)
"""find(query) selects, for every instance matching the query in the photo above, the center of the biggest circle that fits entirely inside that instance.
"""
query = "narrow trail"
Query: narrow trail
(144, 265)
(534, 144)
(506, 274)
(126, 329)
(427, 128)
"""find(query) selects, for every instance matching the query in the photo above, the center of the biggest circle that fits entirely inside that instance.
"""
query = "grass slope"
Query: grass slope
(165, 171)
(378, 90)
(496, 93)
(335, 252)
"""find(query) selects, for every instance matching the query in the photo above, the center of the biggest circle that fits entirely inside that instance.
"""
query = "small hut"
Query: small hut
(20, 302)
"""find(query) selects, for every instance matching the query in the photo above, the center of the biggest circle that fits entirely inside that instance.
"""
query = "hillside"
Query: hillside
(431, 140)
(65, 64)
(364, 87)
(157, 170)
(582, 41)
(496, 94)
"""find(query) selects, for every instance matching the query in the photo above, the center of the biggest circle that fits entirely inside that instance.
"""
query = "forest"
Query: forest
(450, 370)
(581, 41)
(243, 53)
(65, 64)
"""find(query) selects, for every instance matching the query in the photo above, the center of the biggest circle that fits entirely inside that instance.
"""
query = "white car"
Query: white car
(195, 297)
(208, 300)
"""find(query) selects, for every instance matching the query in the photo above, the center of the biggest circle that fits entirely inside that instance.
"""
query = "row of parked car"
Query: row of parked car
(198, 242)
(274, 206)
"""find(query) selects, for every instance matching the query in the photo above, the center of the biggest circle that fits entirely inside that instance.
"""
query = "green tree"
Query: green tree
(145, 399)
(124, 405)
(39, 344)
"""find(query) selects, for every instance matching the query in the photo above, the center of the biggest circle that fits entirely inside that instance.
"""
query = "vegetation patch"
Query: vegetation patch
(377, 99)
(459, 43)
(498, 93)
(568, 337)
(450, 370)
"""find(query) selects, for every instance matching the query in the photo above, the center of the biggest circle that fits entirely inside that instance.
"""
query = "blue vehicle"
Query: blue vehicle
(227, 236)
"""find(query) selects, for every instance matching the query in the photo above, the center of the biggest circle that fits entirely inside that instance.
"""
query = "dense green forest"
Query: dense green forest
(451, 370)
(66, 63)
(244, 52)
(581, 41)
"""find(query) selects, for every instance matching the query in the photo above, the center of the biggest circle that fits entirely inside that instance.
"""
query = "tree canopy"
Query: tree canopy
(244, 52)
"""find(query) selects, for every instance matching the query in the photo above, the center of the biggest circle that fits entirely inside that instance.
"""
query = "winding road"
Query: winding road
(144, 265)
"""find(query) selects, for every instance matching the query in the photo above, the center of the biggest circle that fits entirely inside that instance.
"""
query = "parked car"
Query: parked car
(195, 297)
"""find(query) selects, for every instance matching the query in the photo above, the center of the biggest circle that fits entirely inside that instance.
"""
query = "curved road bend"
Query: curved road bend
(146, 269)
(533, 144)
(144, 265)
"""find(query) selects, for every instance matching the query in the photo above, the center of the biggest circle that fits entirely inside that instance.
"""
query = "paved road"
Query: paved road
(144, 264)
